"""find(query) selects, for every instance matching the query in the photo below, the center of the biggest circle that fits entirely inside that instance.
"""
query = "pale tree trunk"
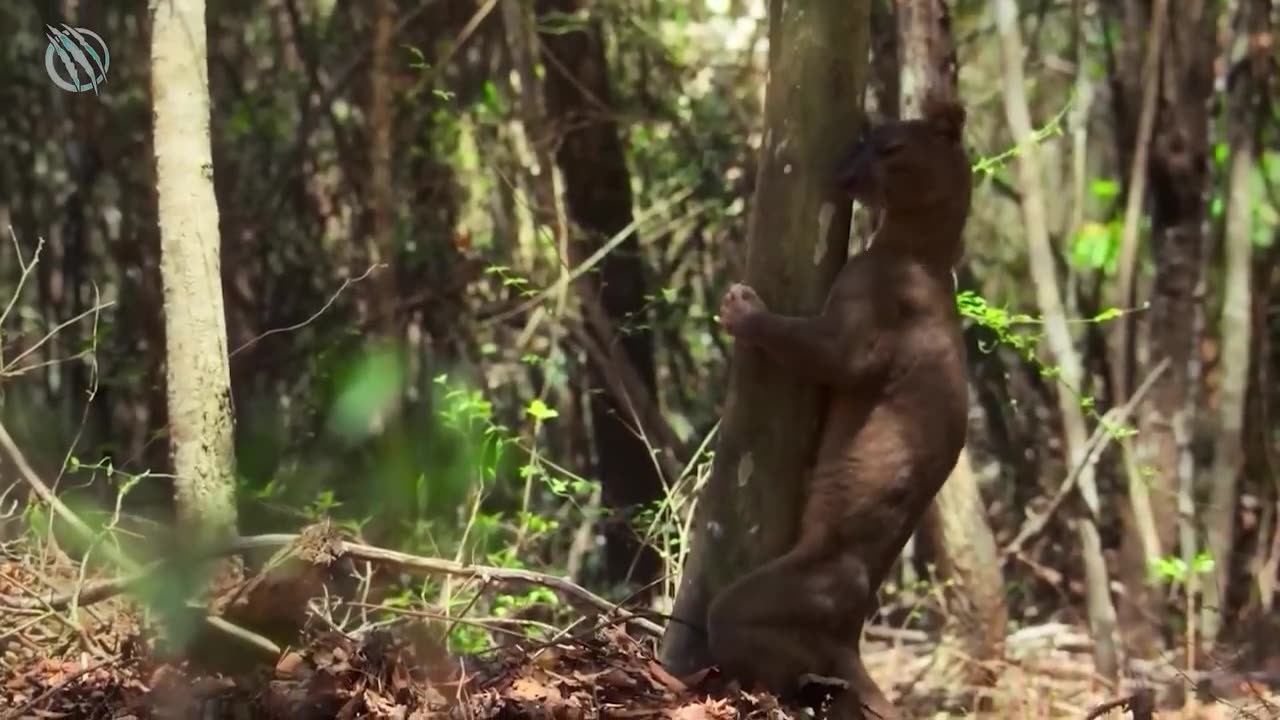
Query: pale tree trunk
(968, 562)
(956, 525)
(1234, 329)
(1061, 349)
(797, 242)
(198, 379)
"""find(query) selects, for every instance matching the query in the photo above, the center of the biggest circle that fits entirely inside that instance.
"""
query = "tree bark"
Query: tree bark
(1137, 76)
(379, 308)
(1179, 173)
(955, 526)
(1061, 347)
(598, 203)
(797, 242)
(1261, 465)
(1179, 167)
(198, 378)
(1234, 328)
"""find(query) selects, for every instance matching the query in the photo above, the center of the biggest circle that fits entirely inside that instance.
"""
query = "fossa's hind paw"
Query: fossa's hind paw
(815, 691)
(823, 681)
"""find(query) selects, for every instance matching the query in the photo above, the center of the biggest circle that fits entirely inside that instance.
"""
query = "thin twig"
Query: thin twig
(585, 266)
(49, 498)
(298, 326)
(26, 268)
(11, 367)
(1093, 448)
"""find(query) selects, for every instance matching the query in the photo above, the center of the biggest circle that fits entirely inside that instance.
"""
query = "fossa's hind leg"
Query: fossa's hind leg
(789, 618)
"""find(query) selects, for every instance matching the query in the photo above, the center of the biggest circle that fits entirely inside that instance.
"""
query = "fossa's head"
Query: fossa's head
(916, 165)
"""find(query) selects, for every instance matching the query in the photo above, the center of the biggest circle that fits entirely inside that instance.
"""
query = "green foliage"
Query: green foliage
(989, 165)
(1173, 569)
(1264, 217)
(370, 389)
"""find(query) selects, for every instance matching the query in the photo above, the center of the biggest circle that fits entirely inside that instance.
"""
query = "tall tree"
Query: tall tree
(797, 242)
(955, 525)
(598, 203)
(1245, 112)
(1135, 77)
(381, 208)
(1178, 88)
(198, 377)
(1061, 350)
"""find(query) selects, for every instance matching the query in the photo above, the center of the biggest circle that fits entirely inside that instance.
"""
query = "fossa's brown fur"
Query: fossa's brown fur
(887, 347)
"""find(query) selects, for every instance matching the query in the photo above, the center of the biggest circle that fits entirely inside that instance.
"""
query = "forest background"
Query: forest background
(470, 257)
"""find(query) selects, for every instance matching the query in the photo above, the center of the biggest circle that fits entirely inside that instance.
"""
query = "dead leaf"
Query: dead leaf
(531, 690)
(617, 677)
(694, 711)
(290, 664)
(669, 681)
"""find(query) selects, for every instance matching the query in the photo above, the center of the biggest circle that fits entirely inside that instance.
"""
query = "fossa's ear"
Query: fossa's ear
(946, 117)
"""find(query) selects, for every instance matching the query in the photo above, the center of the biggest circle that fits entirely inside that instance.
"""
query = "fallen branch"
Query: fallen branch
(102, 590)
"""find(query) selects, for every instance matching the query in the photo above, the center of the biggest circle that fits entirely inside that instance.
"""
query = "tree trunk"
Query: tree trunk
(1179, 168)
(597, 189)
(1228, 457)
(379, 309)
(796, 243)
(1137, 76)
(1261, 466)
(955, 525)
(1061, 347)
(199, 391)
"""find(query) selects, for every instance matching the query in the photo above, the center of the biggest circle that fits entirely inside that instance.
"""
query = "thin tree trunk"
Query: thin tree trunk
(1061, 348)
(956, 524)
(1138, 76)
(597, 189)
(797, 242)
(379, 246)
(199, 381)
(1260, 459)
(1179, 168)
(1228, 456)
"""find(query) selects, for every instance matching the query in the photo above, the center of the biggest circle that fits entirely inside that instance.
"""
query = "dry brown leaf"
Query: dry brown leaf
(617, 677)
(693, 711)
(526, 688)
(669, 681)
(290, 664)
(549, 657)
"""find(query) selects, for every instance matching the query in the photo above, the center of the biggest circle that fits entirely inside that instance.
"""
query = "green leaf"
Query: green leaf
(1108, 314)
(540, 411)
(1104, 188)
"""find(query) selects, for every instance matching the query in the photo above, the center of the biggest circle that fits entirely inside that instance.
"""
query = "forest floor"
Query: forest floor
(90, 658)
